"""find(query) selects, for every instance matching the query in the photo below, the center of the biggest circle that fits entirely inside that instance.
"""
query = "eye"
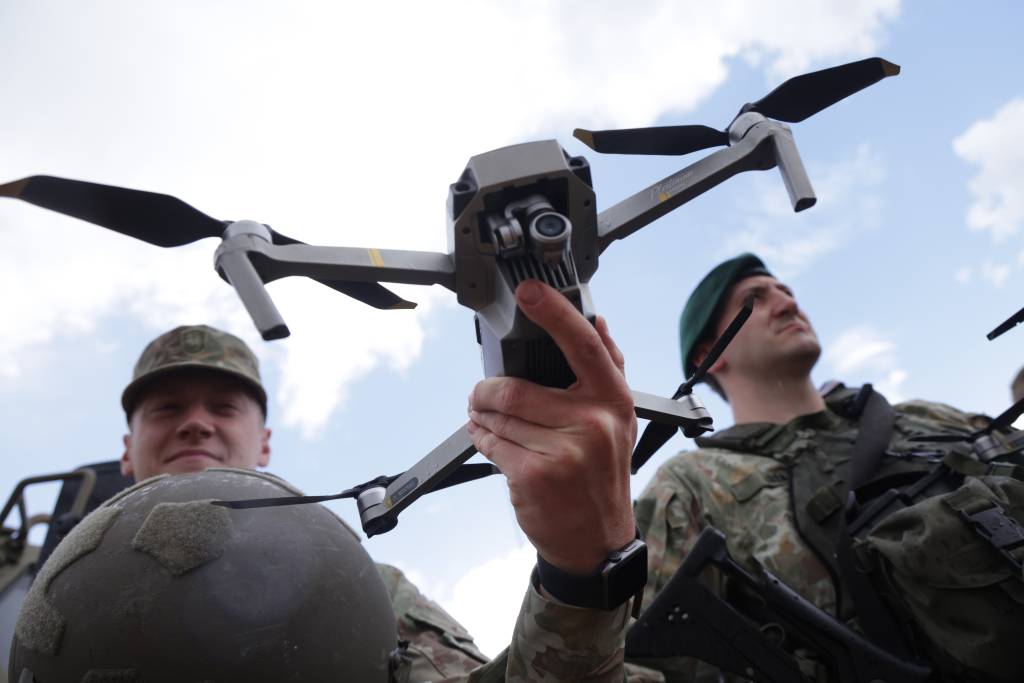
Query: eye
(164, 407)
(225, 407)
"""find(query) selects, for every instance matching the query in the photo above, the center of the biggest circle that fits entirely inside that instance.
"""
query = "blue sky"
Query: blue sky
(345, 127)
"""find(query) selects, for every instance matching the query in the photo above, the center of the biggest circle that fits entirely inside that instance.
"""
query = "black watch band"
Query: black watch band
(622, 576)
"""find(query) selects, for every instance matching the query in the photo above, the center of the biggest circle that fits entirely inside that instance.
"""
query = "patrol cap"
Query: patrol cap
(194, 346)
(704, 302)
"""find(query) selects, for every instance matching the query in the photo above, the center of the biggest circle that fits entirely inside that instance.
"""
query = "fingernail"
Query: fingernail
(530, 292)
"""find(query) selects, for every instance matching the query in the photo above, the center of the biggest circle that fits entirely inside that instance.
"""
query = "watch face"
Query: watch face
(626, 577)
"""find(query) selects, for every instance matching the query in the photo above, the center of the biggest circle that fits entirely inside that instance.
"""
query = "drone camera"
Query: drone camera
(550, 232)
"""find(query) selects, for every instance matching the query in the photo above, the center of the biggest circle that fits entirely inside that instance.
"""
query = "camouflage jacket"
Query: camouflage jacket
(745, 493)
(552, 641)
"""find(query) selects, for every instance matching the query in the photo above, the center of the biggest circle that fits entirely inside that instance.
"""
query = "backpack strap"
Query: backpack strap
(873, 436)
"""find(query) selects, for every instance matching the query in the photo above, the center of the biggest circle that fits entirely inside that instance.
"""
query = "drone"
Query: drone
(527, 211)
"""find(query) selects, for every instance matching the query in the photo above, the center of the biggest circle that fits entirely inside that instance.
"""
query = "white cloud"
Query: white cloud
(862, 353)
(336, 125)
(848, 204)
(994, 273)
(996, 146)
(963, 275)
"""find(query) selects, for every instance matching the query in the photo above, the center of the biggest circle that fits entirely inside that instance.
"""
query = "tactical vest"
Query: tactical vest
(906, 483)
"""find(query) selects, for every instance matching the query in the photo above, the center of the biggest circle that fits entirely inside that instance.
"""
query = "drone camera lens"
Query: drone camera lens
(551, 225)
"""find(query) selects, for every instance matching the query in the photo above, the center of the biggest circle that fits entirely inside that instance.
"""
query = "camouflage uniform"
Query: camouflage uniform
(552, 641)
(744, 491)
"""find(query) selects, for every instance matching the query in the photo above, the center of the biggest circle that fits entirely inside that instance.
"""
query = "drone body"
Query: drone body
(516, 213)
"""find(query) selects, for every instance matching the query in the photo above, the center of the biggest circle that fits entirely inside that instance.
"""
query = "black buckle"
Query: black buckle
(1004, 533)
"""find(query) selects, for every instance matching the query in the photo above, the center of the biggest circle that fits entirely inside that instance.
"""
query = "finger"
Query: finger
(613, 349)
(545, 406)
(530, 436)
(574, 335)
(509, 457)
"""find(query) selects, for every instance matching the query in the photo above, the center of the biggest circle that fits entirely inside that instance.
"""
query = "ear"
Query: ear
(126, 463)
(264, 448)
(701, 351)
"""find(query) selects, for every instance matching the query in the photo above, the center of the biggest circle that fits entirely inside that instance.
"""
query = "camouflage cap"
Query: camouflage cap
(194, 346)
(702, 306)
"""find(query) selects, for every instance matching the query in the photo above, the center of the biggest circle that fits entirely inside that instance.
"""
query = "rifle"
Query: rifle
(687, 619)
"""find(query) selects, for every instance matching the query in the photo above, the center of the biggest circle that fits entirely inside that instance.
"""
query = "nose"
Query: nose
(196, 423)
(783, 304)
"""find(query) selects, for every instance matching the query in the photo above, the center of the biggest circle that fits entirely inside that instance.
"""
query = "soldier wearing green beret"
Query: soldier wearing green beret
(196, 401)
(778, 485)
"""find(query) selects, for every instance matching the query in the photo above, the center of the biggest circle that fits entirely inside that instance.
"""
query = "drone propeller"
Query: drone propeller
(795, 100)
(159, 219)
(673, 140)
(463, 474)
(657, 434)
(1007, 325)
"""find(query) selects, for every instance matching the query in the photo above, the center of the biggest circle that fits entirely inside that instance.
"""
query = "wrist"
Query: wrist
(622, 575)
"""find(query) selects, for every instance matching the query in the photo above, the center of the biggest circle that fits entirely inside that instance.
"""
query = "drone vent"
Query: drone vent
(560, 276)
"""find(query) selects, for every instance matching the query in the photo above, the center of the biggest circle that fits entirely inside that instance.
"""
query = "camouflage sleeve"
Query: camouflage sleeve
(440, 648)
(558, 642)
(670, 519)
(668, 516)
(552, 641)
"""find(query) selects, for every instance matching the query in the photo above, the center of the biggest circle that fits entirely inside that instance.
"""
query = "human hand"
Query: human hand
(565, 452)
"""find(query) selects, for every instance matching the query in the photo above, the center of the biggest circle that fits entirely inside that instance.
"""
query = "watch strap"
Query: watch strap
(622, 575)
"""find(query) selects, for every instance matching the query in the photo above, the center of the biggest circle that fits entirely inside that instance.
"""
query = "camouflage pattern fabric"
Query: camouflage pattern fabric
(745, 494)
(194, 346)
(552, 641)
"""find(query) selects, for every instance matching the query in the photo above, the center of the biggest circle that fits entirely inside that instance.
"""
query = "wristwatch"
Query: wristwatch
(622, 576)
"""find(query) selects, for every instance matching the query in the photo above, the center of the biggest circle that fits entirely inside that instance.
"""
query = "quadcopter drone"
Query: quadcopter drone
(527, 211)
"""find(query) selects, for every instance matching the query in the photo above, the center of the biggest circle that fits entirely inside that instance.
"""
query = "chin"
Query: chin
(190, 465)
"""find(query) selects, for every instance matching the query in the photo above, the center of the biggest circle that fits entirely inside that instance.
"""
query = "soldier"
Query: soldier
(196, 401)
(778, 482)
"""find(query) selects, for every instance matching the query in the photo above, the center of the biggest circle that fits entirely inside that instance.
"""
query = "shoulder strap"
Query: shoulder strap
(875, 431)
(873, 435)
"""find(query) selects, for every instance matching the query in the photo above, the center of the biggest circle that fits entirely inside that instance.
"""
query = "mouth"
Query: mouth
(190, 454)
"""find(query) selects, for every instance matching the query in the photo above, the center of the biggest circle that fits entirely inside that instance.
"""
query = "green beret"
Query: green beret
(702, 305)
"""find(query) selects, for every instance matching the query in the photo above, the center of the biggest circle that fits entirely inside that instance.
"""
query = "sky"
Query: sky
(344, 124)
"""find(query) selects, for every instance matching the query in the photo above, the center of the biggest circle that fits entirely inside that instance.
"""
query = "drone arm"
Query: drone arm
(686, 413)
(760, 147)
(379, 507)
(653, 202)
(354, 265)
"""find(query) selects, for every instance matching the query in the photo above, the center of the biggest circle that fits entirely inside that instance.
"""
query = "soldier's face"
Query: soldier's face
(777, 337)
(191, 421)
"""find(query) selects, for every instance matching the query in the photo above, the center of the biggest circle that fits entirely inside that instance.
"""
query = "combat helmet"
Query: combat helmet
(159, 585)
